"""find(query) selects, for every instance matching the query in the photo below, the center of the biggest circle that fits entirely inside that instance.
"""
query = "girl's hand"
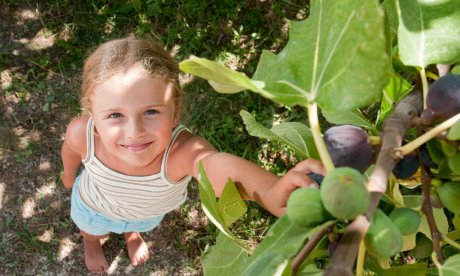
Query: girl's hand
(275, 198)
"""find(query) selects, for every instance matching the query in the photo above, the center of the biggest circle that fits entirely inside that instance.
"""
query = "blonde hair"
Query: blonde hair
(116, 55)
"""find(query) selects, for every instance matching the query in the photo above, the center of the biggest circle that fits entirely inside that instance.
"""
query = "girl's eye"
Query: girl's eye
(115, 115)
(151, 112)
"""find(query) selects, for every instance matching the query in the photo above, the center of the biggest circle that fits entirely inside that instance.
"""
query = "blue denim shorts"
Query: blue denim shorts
(95, 223)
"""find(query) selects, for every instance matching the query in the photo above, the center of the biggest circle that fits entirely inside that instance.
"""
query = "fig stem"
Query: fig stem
(312, 109)
(422, 139)
(360, 258)
(435, 261)
(374, 140)
(424, 86)
(431, 75)
(450, 241)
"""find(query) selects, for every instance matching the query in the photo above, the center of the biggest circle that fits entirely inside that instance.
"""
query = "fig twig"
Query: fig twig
(393, 130)
(427, 209)
(451, 242)
(312, 109)
(424, 85)
(308, 248)
(360, 261)
(422, 139)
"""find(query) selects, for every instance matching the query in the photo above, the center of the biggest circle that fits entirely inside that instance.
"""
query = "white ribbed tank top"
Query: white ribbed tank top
(129, 197)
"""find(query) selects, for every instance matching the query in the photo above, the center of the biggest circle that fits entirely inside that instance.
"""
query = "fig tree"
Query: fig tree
(383, 238)
(443, 99)
(449, 194)
(406, 167)
(348, 147)
(406, 219)
(304, 208)
(344, 193)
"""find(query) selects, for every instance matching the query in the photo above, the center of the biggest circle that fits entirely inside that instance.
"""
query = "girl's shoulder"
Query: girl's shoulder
(75, 135)
(186, 152)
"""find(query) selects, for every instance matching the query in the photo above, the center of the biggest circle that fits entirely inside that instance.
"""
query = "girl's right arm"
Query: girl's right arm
(73, 150)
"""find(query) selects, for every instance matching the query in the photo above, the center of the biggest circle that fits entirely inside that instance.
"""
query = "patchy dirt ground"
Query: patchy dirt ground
(36, 235)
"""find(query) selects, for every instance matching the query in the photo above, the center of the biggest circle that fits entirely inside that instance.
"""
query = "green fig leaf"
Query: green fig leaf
(395, 90)
(221, 78)
(349, 117)
(210, 205)
(226, 257)
(282, 241)
(336, 57)
(417, 269)
(454, 132)
(231, 205)
(296, 135)
(454, 163)
(451, 267)
(428, 32)
(441, 222)
(311, 270)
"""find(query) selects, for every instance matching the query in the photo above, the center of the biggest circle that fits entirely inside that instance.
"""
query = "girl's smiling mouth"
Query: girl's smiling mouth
(137, 147)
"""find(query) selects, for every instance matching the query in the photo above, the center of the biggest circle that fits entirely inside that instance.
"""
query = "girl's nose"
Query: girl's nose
(135, 129)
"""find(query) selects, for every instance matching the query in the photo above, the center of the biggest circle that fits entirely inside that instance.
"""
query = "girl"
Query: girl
(137, 159)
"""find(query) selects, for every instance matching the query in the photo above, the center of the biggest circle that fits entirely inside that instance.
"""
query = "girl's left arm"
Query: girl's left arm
(252, 181)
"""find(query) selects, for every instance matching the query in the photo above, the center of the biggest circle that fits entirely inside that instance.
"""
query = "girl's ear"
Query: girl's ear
(176, 118)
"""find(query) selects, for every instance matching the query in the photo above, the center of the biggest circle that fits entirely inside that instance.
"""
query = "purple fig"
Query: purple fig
(406, 167)
(348, 147)
(443, 99)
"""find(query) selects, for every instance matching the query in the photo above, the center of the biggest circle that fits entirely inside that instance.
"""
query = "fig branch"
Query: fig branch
(393, 130)
(428, 211)
(308, 248)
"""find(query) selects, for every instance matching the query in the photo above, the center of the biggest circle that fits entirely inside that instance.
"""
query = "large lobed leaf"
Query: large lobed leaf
(224, 258)
(451, 267)
(429, 32)
(296, 135)
(272, 254)
(336, 57)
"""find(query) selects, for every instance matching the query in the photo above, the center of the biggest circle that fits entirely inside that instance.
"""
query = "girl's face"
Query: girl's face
(134, 115)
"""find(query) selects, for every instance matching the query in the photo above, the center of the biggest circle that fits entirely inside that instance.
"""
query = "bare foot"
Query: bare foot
(137, 248)
(94, 255)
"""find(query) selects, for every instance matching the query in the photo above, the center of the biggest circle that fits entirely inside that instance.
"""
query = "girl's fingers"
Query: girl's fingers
(297, 179)
(310, 165)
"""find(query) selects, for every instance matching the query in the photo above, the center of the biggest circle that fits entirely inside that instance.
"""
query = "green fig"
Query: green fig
(344, 193)
(406, 219)
(383, 238)
(449, 194)
(304, 208)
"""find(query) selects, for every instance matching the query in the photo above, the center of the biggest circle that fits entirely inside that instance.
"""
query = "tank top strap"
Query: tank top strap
(89, 141)
(175, 134)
